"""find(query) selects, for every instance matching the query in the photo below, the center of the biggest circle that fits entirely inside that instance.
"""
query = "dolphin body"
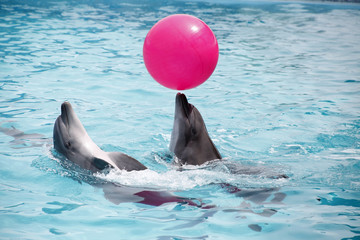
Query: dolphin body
(71, 140)
(190, 141)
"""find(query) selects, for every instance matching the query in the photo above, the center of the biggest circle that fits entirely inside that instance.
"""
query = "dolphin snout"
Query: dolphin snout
(65, 112)
(183, 104)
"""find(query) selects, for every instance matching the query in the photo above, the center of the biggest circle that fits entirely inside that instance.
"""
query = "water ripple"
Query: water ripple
(60, 207)
(284, 96)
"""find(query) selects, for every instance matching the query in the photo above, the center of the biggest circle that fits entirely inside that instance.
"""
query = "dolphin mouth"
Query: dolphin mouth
(184, 104)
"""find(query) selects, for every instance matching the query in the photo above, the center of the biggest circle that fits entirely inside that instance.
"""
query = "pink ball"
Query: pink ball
(180, 52)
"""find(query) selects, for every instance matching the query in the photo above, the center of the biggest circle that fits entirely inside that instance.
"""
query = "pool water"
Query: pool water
(284, 99)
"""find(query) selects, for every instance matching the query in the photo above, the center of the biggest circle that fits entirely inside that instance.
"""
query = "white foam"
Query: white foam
(171, 180)
(186, 179)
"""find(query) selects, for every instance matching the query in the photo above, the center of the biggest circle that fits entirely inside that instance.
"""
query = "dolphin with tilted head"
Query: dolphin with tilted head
(72, 140)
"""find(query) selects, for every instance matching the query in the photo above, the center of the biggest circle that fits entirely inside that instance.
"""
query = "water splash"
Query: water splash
(189, 177)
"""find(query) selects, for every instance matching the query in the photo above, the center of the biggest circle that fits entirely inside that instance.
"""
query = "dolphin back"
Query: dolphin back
(125, 162)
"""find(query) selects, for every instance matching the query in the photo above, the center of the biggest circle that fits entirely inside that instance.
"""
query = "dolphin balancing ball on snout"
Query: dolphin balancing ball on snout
(180, 52)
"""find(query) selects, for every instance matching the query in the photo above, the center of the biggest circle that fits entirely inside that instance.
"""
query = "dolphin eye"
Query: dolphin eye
(68, 145)
(193, 131)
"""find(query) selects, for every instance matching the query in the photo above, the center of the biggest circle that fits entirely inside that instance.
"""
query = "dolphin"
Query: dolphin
(190, 141)
(71, 140)
(24, 140)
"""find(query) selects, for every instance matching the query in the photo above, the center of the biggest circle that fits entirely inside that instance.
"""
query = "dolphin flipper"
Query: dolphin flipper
(100, 164)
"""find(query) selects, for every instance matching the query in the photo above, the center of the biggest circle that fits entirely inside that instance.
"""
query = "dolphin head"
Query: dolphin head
(190, 140)
(71, 138)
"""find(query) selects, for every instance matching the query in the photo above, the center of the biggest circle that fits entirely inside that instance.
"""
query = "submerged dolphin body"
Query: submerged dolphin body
(72, 140)
(118, 194)
(24, 140)
(190, 141)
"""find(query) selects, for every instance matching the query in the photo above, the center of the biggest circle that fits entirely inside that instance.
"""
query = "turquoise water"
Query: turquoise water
(284, 98)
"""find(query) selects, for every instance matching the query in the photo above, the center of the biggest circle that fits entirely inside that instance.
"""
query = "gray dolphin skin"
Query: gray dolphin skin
(190, 141)
(72, 140)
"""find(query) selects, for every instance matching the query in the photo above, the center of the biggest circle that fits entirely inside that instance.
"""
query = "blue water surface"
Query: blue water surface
(284, 99)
